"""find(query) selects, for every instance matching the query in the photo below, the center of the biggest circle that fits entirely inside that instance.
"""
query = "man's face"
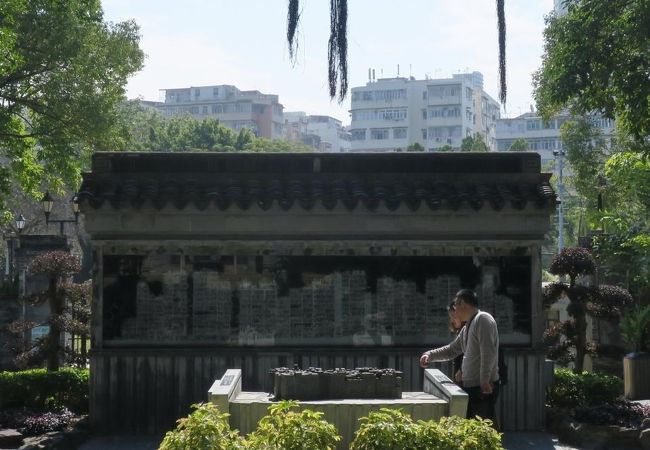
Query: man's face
(463, 310)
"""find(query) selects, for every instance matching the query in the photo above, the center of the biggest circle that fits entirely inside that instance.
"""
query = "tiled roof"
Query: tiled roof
(304, 181)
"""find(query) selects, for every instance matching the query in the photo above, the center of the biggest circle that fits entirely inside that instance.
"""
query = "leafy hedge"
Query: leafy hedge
(394, 429)
(285, 429)
(38, 388)
(206, 427)
(580, 390)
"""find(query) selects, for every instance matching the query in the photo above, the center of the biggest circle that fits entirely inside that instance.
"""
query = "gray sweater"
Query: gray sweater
(478, 341)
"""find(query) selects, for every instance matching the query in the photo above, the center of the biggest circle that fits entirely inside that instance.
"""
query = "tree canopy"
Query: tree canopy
(145, 129)
(62, 73)
(519, 145)
(597, 58)
(474, 144)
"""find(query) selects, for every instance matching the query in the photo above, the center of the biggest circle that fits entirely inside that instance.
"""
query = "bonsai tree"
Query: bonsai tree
(69, 311)
(567, 340)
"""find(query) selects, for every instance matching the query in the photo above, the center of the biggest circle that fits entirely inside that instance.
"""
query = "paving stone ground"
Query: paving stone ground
(511, 441)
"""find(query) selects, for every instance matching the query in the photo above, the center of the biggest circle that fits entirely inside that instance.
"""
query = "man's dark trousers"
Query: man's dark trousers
(482, 405)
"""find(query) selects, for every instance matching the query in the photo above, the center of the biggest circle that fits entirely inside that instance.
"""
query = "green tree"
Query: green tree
(586, 152)
(474, 144)
(69, 307)
(567, 341)
(265, 145)
(596, 58)
(624, 250)
(446, 148)
(144, 129)
(416, 147)
(519, 145)
(62, 74)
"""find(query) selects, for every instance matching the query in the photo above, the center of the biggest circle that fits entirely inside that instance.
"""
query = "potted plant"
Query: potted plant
(635, 330)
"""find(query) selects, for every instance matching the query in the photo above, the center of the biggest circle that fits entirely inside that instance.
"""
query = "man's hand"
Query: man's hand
(424, 360)
(486, 388)
(458, 376)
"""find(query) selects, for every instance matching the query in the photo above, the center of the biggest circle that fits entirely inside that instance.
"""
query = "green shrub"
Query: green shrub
(284, 429)
(635, 329)
(467, 434)
(572, 390)
(386, 429)
(204, 429)
(392, 429)
(38, 388)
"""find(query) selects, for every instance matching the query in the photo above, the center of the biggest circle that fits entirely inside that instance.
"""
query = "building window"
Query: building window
(399, 133)
(391, 114)
(197, 93)
(379, 133)
(358, 135)
(215, 92)
(445, 111)
(424, 114)
(424, 95)
(424, 134)
(205, 110)
(533, 124)
(390, 94)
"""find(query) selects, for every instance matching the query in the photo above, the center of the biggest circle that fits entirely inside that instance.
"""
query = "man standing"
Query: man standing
(479, 342)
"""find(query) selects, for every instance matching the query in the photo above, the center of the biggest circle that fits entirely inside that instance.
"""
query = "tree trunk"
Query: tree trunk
(581, 326)
(581, 341)
(84, 350)
(54, 338)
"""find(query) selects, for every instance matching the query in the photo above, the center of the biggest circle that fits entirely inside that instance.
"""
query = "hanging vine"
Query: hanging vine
(501, 23)
(293, 17)
(337, 46)
(337, 50)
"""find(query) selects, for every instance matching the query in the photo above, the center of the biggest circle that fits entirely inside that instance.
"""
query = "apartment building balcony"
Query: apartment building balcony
(433, 100)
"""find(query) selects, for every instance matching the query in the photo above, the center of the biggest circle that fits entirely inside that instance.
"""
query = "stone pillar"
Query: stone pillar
(226, 389)
(438, 384)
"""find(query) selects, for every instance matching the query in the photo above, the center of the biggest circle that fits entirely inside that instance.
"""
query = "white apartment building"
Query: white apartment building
(262, 113)
(542, 137)
(393, 113)
(323, 133)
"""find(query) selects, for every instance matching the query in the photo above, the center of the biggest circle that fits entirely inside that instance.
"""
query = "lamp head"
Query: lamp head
(20, 223)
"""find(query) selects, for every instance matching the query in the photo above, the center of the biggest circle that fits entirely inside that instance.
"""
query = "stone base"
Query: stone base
(249, 407)
(441, 397)
(10, 438)
(593, 437)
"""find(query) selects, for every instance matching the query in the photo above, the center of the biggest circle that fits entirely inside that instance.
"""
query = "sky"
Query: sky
(243, 43)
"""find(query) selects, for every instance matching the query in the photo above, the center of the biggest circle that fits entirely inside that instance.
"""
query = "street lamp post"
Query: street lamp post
(12, 240)
(48, 203)
(559, 157)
